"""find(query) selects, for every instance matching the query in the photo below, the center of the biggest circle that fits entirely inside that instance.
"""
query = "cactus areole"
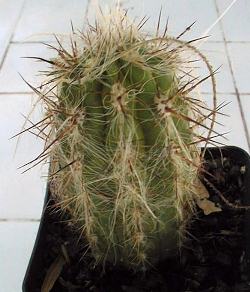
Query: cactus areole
(123, 140)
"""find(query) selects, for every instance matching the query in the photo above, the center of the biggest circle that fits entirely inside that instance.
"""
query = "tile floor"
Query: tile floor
(26, 23)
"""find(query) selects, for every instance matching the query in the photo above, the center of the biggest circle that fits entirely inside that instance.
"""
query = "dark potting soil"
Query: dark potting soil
(212, 259)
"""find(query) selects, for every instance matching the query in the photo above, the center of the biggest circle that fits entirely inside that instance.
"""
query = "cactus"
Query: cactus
(123, 140)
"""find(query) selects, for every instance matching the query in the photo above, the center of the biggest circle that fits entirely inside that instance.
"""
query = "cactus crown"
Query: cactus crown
(123, 139)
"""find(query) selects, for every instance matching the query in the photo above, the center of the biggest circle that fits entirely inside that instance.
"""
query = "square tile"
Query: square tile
(217, 57)
(245, 101)
(236, 23)
(15, 64)
(41, 19)
(16, 244)
(230, 123)
(240, 58)
(21, 195)
(8, 20)
(181, 13)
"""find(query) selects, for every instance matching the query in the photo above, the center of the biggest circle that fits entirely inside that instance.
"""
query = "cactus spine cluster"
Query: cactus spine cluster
(123, 140)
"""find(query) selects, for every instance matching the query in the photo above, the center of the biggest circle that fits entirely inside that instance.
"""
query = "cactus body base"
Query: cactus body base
(170, 274)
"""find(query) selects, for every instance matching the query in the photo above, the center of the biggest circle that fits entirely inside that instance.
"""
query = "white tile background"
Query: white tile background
(25, 23)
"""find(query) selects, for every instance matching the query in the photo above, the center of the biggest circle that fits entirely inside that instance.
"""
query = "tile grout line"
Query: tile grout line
(12, 35)
(16, 92)
(19, 220)
(31, 42)
(237, 93)
(222, 93)
(237, 42)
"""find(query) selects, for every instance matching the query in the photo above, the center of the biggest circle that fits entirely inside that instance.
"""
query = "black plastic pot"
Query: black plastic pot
(36, 264)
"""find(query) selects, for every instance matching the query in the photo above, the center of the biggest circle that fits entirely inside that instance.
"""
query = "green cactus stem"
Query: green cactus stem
(123, 141)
